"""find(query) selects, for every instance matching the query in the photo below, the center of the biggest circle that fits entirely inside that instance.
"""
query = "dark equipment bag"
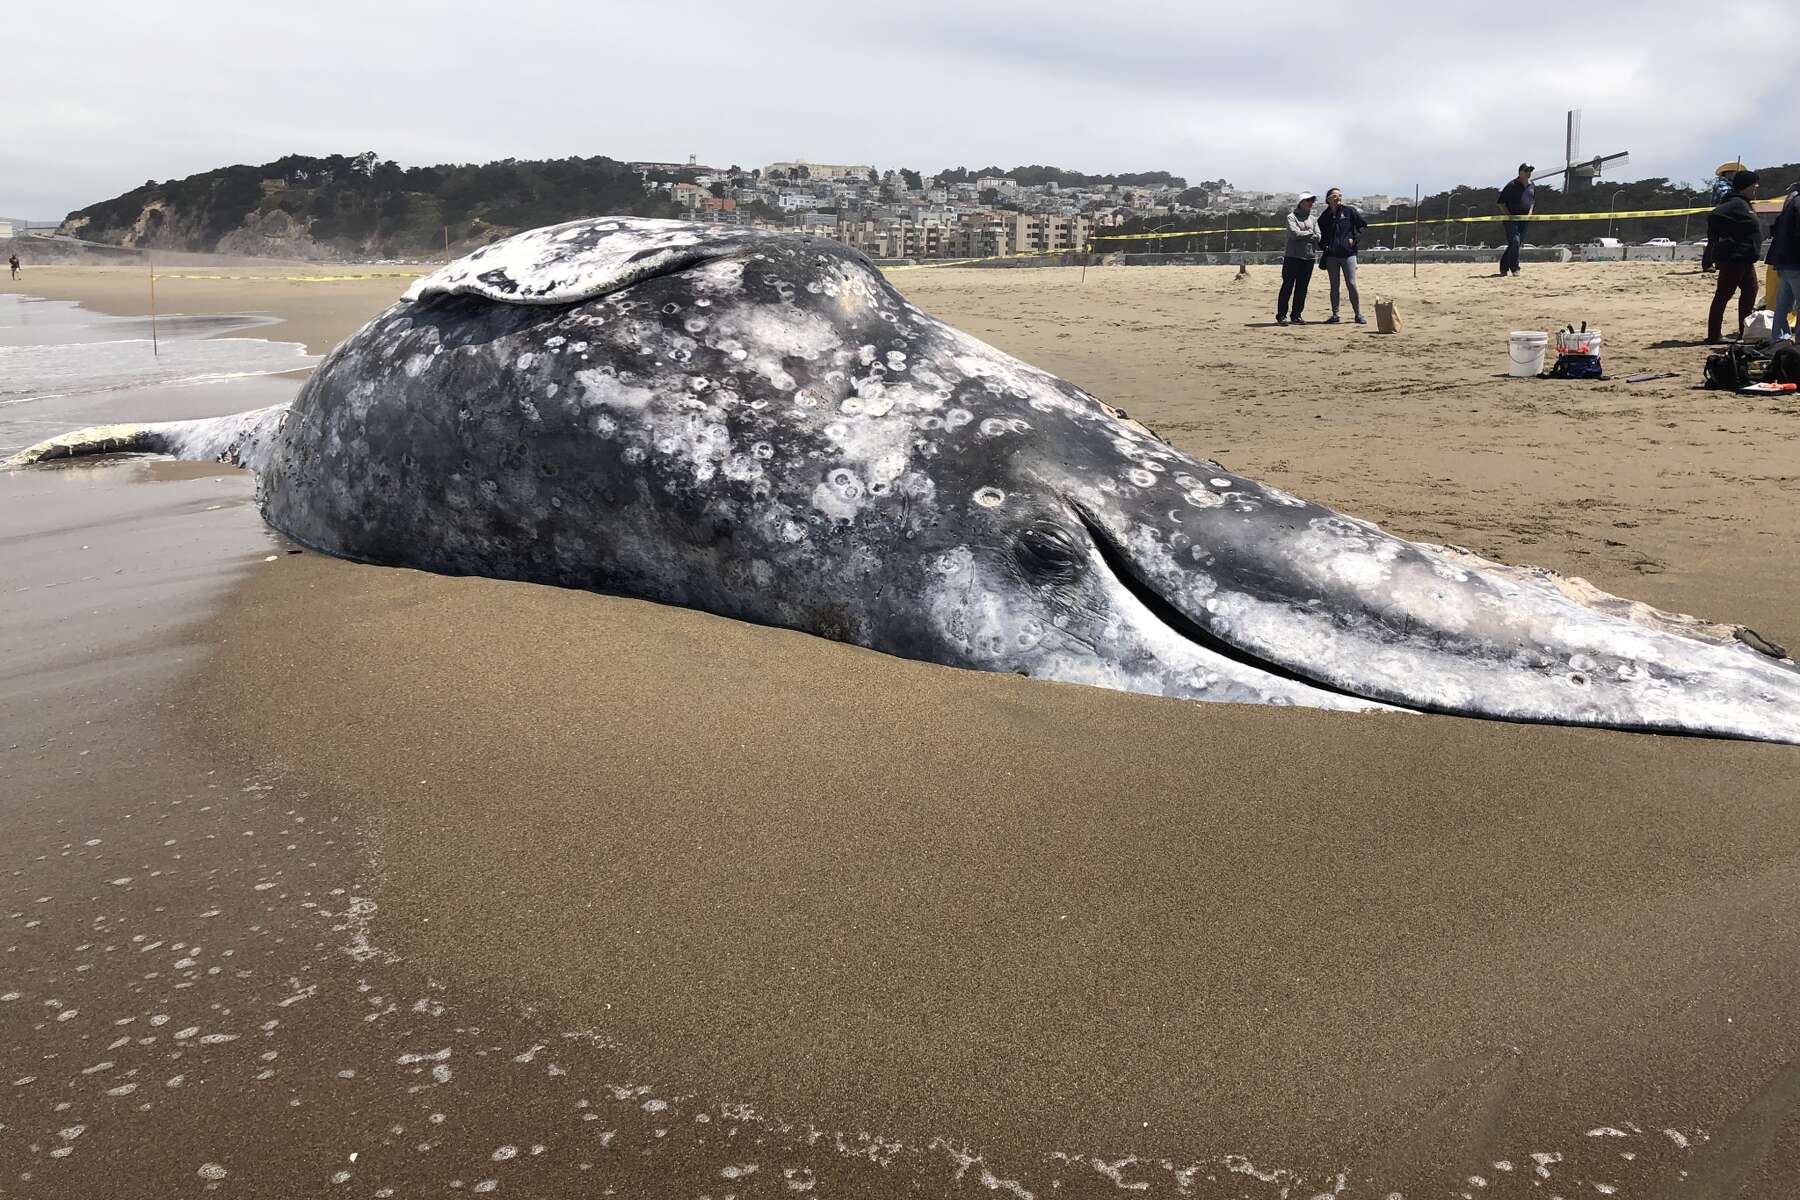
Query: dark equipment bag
(1735, 365)
(1784, 364)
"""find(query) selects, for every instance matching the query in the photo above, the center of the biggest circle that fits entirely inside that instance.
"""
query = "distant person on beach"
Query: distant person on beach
(1517, 199)
(1735, 238)
(1341, 227)
(1297, 261)
(13, 264)
(1784, 257)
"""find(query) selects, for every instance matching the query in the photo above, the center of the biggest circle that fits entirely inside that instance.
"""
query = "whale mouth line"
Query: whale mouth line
(1118, 562)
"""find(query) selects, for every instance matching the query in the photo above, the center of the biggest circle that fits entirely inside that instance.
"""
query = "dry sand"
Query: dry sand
(1052, 927)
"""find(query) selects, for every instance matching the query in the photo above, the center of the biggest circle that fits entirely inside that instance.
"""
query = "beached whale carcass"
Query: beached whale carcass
(759, 425)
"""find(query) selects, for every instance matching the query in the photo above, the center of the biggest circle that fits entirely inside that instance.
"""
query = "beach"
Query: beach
(442, 883)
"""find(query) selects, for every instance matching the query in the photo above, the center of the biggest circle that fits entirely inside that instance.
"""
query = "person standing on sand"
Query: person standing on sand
(1340, 228)
(1721, 191)
(1784, 257)
(1297, 261)
(1517, 199)
(1736, 238)
(13, 263)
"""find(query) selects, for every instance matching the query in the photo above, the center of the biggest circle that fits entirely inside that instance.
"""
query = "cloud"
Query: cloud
(1371, 97)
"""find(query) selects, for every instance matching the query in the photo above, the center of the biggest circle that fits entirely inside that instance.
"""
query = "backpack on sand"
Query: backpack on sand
(1784, 364)
(1733, 366)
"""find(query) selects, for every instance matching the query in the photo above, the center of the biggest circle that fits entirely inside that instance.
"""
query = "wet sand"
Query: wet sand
(919, 916)
(319, 304)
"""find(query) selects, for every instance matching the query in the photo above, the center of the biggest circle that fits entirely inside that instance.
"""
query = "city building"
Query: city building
(1047, 233)
(817, 171)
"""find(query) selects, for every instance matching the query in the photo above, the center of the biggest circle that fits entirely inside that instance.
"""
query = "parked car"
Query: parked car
(1605, 243)
(1660, 242)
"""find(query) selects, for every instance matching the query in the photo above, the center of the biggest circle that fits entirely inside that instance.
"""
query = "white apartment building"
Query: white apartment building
(1048, 233)
(820, 171)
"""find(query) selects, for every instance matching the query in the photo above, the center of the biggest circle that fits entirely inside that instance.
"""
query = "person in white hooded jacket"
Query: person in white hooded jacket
(1297, 261)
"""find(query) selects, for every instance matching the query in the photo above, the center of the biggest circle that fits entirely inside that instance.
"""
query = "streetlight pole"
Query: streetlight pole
(1467, 209)
(1611, 208)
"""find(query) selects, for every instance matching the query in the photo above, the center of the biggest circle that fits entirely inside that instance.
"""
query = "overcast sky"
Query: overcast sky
(1372, 96)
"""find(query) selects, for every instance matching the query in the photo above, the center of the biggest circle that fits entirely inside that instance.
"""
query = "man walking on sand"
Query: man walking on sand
(1517, 199)
(1732, 230)
(13, 263)
(1297, 261)
(1340, 228)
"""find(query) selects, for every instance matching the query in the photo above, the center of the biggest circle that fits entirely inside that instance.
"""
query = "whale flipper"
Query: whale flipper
(242, 440)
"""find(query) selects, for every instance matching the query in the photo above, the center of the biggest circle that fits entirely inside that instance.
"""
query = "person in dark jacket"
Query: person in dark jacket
(1721, 192)
(1784, 257)
(1517, 199)
(1735, 237)
(1340, 229)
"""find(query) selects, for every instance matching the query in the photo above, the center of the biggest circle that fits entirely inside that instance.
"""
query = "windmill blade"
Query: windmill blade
(1619, 159)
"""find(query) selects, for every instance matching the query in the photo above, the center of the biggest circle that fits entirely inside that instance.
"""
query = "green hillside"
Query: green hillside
(360, 205)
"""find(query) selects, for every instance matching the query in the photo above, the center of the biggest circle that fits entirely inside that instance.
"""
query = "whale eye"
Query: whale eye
(1049, 552)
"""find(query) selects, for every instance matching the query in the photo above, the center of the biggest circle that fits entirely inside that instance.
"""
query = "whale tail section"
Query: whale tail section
(242, 440)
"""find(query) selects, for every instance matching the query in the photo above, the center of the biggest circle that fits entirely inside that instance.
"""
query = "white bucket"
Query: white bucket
(1526, 350)
(1585, 342)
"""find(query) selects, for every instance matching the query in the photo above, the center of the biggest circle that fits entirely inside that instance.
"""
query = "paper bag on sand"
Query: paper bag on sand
(1386, 319)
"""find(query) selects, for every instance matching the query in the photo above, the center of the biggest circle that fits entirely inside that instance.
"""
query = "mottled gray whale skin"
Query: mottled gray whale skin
(760, 426)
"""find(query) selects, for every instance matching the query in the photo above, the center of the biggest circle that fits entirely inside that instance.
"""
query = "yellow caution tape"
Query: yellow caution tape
(1601, 216)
